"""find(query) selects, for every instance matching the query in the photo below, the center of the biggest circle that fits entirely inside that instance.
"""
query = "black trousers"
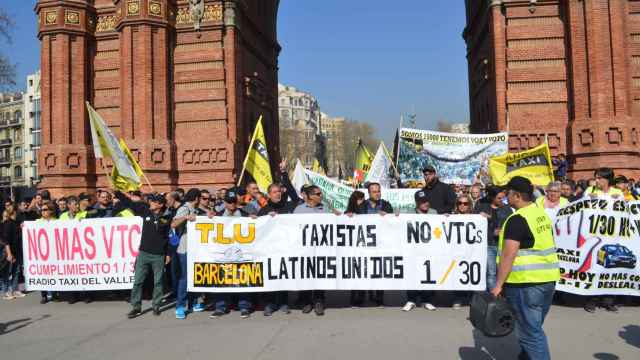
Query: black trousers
(311, 297)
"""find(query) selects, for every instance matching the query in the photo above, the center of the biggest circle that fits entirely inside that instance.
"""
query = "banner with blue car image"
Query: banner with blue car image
(598, 244)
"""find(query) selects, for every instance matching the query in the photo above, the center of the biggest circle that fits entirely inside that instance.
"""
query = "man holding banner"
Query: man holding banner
(528, 268)
(152, 252)
(278, 204)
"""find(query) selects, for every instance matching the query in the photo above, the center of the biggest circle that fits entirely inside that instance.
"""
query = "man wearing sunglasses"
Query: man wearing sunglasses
(312, 299)
(205, 202)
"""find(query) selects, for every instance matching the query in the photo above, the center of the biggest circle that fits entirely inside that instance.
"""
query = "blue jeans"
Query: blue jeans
(223, 300)
(531, 304)
(9, 277)
(183, 296)
(492, 267)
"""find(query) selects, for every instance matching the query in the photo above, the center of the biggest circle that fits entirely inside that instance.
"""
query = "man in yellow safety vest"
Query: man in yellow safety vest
(527, 268)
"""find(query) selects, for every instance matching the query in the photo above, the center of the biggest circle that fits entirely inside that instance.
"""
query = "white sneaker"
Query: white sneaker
(409, 306)
(429, 307)
(19, 294)
(8, 296)
(457, 305)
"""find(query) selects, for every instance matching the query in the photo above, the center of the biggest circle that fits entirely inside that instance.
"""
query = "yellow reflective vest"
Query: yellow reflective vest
(79, 215)
(126, 213)
(540, 202)
(611, 193)
(538, 264)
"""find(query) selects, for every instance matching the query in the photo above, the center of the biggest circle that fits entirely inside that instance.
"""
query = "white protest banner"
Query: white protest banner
(305, 252)
(598, 242)
(90, 254)
(458, 158)
(337, 195)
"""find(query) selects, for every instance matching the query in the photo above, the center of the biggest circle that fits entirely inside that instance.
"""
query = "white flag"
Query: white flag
(380, 166)
(299, 177)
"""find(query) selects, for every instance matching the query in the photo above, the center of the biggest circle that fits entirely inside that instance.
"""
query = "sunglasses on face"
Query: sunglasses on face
(317, 194)
(463, 203)
(46, 209)
(205, 198)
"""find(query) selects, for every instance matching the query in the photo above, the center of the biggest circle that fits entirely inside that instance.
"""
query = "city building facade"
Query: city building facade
(333, 133)
(183, 82)
(32, 129)
(300, 135)
(11, 142)
(567, 71)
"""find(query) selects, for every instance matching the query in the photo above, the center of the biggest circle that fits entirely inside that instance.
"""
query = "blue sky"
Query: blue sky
(368, 60)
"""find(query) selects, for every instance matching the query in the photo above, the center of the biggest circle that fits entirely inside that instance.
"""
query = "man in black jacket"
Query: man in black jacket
(153, 248)
(440, 195)
(277, 204)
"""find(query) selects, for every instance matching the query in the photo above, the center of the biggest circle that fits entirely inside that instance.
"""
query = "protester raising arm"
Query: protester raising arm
(137, 207)
(291, 191)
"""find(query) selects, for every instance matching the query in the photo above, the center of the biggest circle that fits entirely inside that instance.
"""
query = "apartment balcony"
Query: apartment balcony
(4, 161)
(6, 142)
(14, 122)
(5, 180)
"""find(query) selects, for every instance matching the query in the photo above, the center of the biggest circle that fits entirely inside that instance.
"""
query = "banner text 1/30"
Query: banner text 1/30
(610, 226)
(471, 271)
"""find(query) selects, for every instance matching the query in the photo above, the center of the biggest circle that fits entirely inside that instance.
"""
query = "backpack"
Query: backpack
(174, 239)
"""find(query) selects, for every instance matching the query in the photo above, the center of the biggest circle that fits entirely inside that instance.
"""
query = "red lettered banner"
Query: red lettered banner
(85, 255)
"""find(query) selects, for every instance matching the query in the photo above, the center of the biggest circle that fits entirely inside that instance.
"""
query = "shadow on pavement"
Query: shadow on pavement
(6, 328)
(631, 334)
(486, 348)
(606, 356)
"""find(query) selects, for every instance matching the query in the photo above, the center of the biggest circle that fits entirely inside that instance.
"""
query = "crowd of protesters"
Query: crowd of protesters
(163, 248)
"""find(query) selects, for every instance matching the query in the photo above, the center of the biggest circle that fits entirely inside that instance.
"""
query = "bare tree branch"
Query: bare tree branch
(7, 69)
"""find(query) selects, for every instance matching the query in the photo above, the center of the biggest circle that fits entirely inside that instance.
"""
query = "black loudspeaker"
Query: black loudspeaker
(493, 317)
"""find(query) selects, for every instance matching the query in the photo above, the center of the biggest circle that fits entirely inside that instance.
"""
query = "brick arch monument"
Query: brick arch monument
(182, 81)
(567, 70)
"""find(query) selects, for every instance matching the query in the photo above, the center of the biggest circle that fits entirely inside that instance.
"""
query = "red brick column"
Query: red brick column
(145, 111)
(65, 159)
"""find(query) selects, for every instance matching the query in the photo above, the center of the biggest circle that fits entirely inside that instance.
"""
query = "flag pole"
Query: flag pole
(246, 158)
(148, 182)
(386, 152)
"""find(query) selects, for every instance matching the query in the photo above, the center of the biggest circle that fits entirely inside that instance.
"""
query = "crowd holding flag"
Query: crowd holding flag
(489, 235)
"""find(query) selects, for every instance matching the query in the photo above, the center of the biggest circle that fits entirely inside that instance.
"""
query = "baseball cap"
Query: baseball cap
(158, 198)
(231, 196)
(520, 184)
(428, 168)
(421, 197)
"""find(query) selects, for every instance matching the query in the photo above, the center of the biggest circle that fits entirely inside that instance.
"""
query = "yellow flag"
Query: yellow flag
(317, 168)
(257, 160)
(363, 162)
(122, 183)
(105, 144)
(533, 164)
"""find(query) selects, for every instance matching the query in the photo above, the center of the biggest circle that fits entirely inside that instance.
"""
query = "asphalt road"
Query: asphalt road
(100, 330)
